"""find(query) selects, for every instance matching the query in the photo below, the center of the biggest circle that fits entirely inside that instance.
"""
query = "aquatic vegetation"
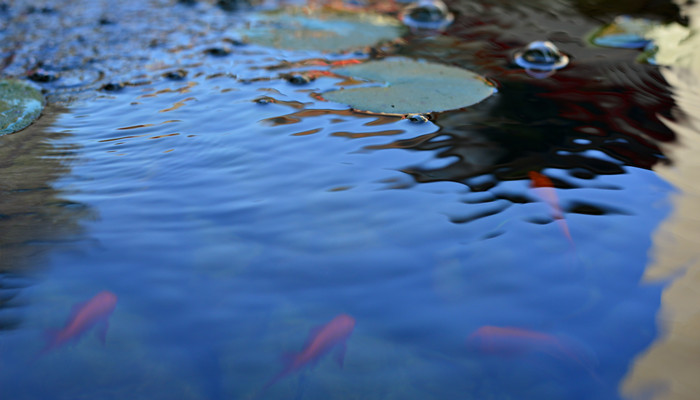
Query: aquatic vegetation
(20, 105)
(411, 87)
(662, 44)
(85, 316)
(624, 32)
(431, 15)
(322, 30)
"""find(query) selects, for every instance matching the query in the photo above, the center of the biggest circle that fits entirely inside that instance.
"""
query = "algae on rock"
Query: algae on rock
(20, 105)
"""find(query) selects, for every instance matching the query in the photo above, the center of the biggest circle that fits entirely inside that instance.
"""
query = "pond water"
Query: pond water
(235, 216)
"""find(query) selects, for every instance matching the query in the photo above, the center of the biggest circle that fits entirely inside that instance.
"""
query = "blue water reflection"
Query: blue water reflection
(230, 229)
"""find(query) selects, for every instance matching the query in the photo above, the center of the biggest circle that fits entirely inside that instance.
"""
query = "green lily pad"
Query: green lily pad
(411, 87)
(624, 32)
(322, 30)
(20, 105)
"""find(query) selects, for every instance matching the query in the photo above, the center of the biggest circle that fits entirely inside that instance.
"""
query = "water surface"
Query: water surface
(231, 212)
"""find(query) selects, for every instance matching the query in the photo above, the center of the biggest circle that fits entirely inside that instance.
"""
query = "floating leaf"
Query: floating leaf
(20, 105)
(411, 87)
(624, 32)
(323, 30)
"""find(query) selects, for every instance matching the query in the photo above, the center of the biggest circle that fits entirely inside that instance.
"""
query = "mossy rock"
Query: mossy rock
(20, 105)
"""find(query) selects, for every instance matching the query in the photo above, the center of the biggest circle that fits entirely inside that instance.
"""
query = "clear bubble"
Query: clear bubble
(427, 15)
(418, 118)
(541, 56)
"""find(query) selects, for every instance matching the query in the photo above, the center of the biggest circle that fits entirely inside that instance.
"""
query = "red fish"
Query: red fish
(95, 311)
(544, 188)
(511, 341)
(330, 336)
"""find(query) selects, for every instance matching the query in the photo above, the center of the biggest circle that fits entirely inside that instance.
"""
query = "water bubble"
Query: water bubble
(418, 118)
(541, 56)
(426, 15)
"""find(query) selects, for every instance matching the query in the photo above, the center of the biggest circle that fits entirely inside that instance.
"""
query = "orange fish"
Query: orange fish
(342, 63)
(330, 336)
(512, 341)
(85, 316)
(544, 188)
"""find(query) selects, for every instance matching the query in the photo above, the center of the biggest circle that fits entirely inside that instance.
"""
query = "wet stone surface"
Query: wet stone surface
(73, 48)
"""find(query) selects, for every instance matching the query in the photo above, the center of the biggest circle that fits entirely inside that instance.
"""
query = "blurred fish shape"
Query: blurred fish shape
(544, 189)
(512, 342)
(322, 340)
(85, 316)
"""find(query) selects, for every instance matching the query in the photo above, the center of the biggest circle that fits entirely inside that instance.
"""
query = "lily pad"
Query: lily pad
(322, 30)
(624, 32)
(20, 105)
(411, 87)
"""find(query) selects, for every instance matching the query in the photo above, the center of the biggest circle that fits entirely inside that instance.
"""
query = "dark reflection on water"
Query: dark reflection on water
(604, 100)
(605, 111)
(35, 216)
(238, 212)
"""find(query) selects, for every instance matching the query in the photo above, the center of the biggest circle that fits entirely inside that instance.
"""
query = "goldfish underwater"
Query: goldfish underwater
(322, 340)
(85, 316)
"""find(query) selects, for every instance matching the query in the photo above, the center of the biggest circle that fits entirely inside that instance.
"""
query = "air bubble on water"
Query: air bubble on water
(541, 57)
(431, 15)
(418, 118)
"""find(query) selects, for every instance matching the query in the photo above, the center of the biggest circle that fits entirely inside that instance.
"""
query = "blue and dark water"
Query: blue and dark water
(229, 227)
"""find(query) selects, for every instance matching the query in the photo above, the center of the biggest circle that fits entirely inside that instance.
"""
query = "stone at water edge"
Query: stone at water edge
(20, 105)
